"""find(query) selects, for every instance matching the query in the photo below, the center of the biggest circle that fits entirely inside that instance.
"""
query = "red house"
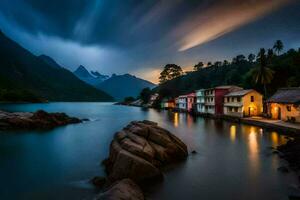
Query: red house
(214, 98)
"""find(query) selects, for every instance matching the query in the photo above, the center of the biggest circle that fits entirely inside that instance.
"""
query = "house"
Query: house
(285, 105)
(186, 102)
(213, 98)
(243, 103)
(200, 101)
(168, 103)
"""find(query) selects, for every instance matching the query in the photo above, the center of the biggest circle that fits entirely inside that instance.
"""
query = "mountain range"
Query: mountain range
(93, 78)
(118, 86)
(26, 77)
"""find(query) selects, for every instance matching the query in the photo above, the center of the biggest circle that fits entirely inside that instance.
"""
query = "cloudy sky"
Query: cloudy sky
(141, 36)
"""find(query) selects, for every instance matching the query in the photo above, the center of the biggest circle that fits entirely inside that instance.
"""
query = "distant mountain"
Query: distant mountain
(121, 86)
(94, 78)
(26, 77)
(50, 61)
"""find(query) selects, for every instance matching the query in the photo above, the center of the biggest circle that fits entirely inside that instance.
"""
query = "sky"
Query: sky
(142, 36)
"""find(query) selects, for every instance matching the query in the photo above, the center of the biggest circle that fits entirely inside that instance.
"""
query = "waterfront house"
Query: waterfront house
(168, 103)
(200, 103)
(213, 98)
(243, 103)
(186, 102)
(285, 105)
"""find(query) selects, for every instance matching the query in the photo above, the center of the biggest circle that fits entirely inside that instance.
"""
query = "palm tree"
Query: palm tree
(278, 46)
(262, 74)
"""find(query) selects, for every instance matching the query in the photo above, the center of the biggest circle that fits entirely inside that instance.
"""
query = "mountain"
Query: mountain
(50, 61)
(94, 78)
(26, 77)
(121, 86)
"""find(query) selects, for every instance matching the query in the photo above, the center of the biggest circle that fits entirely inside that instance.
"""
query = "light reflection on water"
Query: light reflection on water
(233, 161)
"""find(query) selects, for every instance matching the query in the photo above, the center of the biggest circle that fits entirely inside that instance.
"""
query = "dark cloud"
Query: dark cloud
(140, 36)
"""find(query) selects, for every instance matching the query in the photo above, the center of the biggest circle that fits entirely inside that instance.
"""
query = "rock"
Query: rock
(98, 181)
(140, 150)
(125, 189)
(194, 152)
(291, 153)
(37, 120)
(294, 197)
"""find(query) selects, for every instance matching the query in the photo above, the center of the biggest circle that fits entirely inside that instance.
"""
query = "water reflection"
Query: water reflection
(232, 133)
(275, 138)
(176, 119)
(228, 153)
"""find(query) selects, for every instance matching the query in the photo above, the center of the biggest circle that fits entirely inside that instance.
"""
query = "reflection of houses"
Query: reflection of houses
(285, 105)
(168, 104)
(243, 103)
(186, 102)
(200, 101)
(213, 99)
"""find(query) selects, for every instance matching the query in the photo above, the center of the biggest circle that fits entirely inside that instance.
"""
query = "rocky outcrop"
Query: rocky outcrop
(291, 153)
(37, 120)
(125, 189)
(140, 150)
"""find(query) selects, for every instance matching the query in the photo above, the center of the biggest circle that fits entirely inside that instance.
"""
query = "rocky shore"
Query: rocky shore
(137, 155)
(37, 120)
(291, 153)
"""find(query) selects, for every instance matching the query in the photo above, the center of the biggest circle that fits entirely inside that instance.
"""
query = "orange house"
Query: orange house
(285, 105)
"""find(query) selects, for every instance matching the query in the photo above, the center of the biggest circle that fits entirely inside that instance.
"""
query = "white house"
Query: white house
(200, 101)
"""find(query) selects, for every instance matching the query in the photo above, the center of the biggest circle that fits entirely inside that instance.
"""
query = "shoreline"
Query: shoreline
(287, 128)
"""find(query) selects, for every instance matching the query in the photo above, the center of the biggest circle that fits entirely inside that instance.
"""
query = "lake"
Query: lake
(233, 161)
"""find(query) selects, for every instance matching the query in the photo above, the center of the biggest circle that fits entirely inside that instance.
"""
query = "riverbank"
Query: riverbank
(269, 124)
(274, 125)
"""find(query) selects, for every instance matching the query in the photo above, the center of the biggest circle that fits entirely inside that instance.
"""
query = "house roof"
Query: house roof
(239, 93)
(227, 87)
(286, 95)
(188, 95)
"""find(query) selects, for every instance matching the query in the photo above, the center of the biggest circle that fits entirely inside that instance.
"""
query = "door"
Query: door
(251, 111)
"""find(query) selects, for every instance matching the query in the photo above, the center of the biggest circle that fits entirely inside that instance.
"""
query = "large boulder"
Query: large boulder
(140, 150)
(36, 120)
(125, 189)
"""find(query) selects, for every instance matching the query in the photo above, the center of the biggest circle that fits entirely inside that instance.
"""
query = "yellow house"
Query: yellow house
(285, 105)
(243, 103)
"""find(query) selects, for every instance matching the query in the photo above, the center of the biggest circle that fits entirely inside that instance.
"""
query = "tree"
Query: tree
(198, 66)
(270, 56)
(225, 63)
(145, 95)
(238, 59)
(128, 99)
(209, 64)
(218, 64)
(170, 72)
(251, 57)
(278, 46)
(262, 74)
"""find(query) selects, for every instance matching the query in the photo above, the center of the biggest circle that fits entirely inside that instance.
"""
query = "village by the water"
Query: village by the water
(280, 111)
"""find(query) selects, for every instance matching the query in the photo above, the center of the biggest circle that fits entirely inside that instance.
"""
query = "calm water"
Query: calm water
(233, 161)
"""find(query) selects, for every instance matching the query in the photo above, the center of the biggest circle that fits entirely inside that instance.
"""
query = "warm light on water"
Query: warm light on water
(233, 162)
(233, 132)
(176, 119)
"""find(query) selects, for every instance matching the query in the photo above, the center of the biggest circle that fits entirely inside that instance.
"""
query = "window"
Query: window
(252, 98)
(236, 109)
(289, 108)
(239, 99)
